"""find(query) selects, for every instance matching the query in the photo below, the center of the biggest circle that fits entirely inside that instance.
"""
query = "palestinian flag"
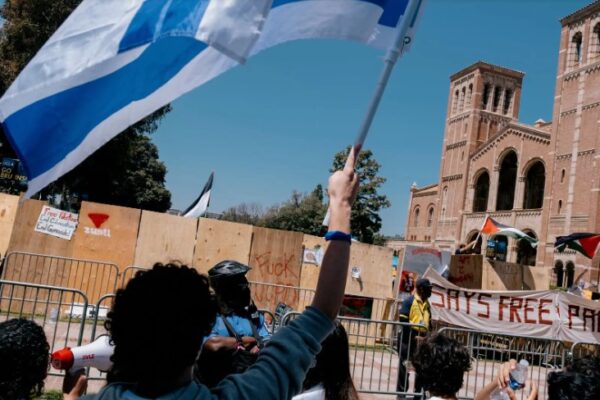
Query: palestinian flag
(200, 205)
(585, 243)
(493, 227)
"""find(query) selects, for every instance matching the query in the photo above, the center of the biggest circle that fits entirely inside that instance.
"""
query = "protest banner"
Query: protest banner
(418, 259)
(57, 222)
(541, 314)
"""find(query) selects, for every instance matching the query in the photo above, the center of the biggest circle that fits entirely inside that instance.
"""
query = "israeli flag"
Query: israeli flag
(113, 62)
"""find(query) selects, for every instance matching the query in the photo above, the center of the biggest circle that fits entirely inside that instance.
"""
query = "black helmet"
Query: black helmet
(226, 270)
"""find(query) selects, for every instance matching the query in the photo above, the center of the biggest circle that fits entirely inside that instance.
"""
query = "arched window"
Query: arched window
(482, 189)
(471, 238)
(416, 221)
(486, 94)
(461, 104)
(576, 53)
(570, 273)
(559, 206)
(558, 271)
(470, 96)
(526, 254)
(507, 99)
(501, 247)
(595, 43)
(506, 182)
(430, 217)
(534, 186)
(497, 94)
(444, 201)
(455, 102)
(562, 175)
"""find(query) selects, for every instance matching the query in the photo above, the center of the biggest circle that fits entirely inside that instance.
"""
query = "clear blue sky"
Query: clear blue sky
(272, 126)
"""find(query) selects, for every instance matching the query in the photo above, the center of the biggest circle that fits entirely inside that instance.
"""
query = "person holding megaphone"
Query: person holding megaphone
(158, 321)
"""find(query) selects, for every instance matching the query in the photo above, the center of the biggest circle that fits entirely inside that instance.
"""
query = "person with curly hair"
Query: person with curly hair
(24, 353)
(579, 380)
(157, 323)
(441, 363)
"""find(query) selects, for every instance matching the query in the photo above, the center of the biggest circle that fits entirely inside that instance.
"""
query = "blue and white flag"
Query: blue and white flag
(113, 62)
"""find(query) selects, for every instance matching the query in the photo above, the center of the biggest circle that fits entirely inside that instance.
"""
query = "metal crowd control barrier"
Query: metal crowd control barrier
(61, 312)
(94, 278)
(580, 349)
(379, 354)
(128, 273)
(488, 350)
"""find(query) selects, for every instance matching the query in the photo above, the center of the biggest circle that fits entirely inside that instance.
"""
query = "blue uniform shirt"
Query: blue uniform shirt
(241, 326)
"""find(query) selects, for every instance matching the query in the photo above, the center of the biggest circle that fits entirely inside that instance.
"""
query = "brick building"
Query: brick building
(543, 179)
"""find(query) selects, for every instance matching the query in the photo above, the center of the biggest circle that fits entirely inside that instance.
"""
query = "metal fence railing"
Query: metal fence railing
(580, 349)
(379, 354)
(94, 278)
(128, 273)
(488, 350)
(61, 312)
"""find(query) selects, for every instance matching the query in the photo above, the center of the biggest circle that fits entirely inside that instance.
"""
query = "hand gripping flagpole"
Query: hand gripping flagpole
(408, 20)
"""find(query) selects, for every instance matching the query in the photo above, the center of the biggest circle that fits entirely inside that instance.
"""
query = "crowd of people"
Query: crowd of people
(171, 327)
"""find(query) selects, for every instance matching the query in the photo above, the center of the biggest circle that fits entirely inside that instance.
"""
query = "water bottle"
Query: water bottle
(499, 394)
(518, 376)
(516, 381)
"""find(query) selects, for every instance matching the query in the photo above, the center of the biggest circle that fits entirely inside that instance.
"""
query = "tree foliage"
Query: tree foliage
(301, 213)
(365, 221)
(305, 212)
(126, 171)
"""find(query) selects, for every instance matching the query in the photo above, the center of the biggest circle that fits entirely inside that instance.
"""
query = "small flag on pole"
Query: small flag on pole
(584, 243)
(199, 207)
(493, 227)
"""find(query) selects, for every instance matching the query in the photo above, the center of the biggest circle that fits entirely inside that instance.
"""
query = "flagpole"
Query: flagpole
(401, 40)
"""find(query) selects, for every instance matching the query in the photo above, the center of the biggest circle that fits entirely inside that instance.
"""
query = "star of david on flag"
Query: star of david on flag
(114, 62)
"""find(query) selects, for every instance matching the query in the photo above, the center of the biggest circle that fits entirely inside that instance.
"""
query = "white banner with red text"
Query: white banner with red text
(542, 314)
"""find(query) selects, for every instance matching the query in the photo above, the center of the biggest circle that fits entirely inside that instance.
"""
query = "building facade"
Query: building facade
(543, 179)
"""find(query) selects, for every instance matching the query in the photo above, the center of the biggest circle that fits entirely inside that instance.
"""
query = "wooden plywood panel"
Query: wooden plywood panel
(165, 238)
(276, 258)
(537, 278)
(44, 270)
(466, 271)
(501, 275)
(221, 240)
(9, 205)
(25, 238)
(105, 233)
(375, 264)
(310, 271)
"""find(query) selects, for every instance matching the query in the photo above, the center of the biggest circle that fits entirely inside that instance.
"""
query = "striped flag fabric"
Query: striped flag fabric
(113, 62)
(200, 205)
(493, 227)
(584, 243)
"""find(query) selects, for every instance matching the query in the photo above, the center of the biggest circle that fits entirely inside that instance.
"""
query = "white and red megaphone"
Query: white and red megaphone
(96, 354)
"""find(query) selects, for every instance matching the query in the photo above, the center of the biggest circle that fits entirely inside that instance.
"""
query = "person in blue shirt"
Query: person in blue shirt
(236, 308)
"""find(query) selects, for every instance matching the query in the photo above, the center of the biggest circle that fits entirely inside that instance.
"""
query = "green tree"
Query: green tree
(126, 171)
(301, 213)
(244, 213)
(365, 222)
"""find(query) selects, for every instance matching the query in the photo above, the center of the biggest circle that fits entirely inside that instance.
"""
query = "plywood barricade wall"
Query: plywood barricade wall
(275, 258)
(221, 240)
(9, 205)
(466, 271)
(104, 233)
(31, 268)
(165, 238)
(310, 271)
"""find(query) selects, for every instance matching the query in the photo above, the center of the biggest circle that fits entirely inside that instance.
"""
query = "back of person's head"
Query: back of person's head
(157, 323)
(24, 353)
(440, 363)
(332, 368)
(580, 380)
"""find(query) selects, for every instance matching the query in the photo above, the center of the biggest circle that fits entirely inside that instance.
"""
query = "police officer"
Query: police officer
(415, 310)
(239, 325)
